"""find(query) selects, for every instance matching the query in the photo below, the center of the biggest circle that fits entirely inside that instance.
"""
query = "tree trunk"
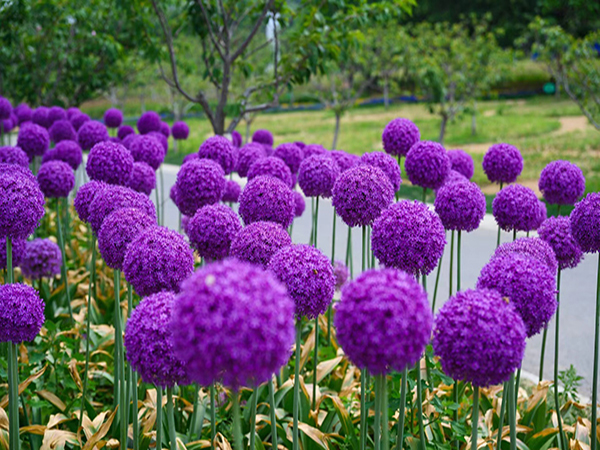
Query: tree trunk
(443, 129)
(248, 123)
(336, 133)
(386, 92)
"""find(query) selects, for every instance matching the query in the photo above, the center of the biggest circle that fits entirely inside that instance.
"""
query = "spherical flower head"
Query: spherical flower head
(271, 166)
(341, 273)
(118, 230)
(127, 140)
(56, 113)
(142, 179)
(148, 342)
(462, 162)
(236, 138)
(231, 192)
(111, 198)
(66, 151)
(317, 176)
(14, 155)
(529, 285)
(124, 131)
(85, 196)
(344, 159)
(91, 133)
(147, 149)
(7, 125)
(248, 155)
(42, 259)
(516, 207)
(78, 119)
(62, 130)
(479, 338)
(180, 130)
(263, 137)
(113, 118)
(56, 179)
(291, 154)
(165, 129)
(5, 108)
(267, 199)
(399, 136)
(393, 315)
(556, 231)
(21, 202)
(562, 183)
(24, 113)
(299, 203)
(460, 206)
(21, 313)
(33, 139)
(258, 242)
(239, 317)
(199, 182)
(387, 164)
(40, 116)
(109, 162)
(212, 229)
(531, 246)
(453, 177)
(219, 149)
(309, 278)
(314, 149)
(160, 137)
(502, 163)
(71, 111)
(427, 164)
(149, 121)
(585, 223)
(360, 194)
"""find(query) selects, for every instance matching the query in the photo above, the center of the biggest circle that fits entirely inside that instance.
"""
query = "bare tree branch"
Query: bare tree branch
(253, 32)
(210, 30)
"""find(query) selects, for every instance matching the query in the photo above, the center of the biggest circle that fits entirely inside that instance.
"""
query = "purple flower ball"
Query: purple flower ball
(42, 259)
(360, 194)
(124, 131)
(71, 111)
(393, 315)
(118, 230)
(33, 139)
(66, 151)
(113, 118)
(40, 116)
(148, 341)
(516, 207)
(454, 177)
(231, 192)
(341, 273)
(180, 131)
(263, 137)
(21, 313)
(219, 149)
(149, 121)
(24, 113)
(317, 176)
(147, 149)
(479, 338)
(236, 138)
(309, 278)
(78, 119)
(21, 202)
(399, 136)
(528, 283)
(212, 229)
(562, 183)
(314, 149)
(427, 164)
(14, 155)
(165, 129)
(199, 183)
(258, 242)
(533, 247)
(271, 166)
(160, 137)
(344, 160)
(158, 259)
(299, 203)
(291, 154)
(502, 163)
(56, 179)
(267, 199)
(62, 130)
(55, 114)
(18, 252)
(248, 155)
(556, 231)
(585, 223)
(460, 206)
(85, 196)
(462, 162)
(239, 318)
(91, 133)
(142, 179)
(109, 162)
(387, 164)
(5, 108)
(127, 140)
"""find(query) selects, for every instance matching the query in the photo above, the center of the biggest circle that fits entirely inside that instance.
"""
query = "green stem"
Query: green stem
(595, 376)
(237, 425)
(499, 229)
(451, 263)
(420, 406)
(10, 274)
(475, 418)
(332, 263)
(296, 445)
(377, 421)
(253, 419)
(132, 384)
(13, 401)
(543, 353)
(364, 248)
(455, 413)
(437, 282)
(401, 411)
(192, 424)
(561, 437)
(171, 419)
(424, 195)
(363, 409)
(458, 262)
(316, 219)
(512, 412)
(514, 235)
(503, 407)
(517, 384)
(213, 414)
(273, 414)
(315, 363)
(312, 218)
(349, 262)
(63, 268)
(384, 415)
(122, 401)
(159, 426)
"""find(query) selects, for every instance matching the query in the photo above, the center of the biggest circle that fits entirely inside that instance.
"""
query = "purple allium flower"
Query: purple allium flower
(393, 315)
(21, 313)
(78, 119)
(271, 166)
(66, 151)
(410, 237)
(212, 229)
(180, 130)
(219, 149)
(502, 163)
(239, 318)
(118, 230)
(360, 194)
(21, 202)
(7, 125)
(387, 164)
(18, 251)
(147, 149)
(158, 259)
(148, 341)
(71, 111)
(344, 159)
(263, 137)
(127, 140)
(33, 139)
(454, 177)
(56, 179)
(85, 196)
(259, 241)
(42, 259)
(530, 246)
(585, 223)
(267, 199)
(291, 154)
(231, 192)
(62, 130)
(142, 179)
(399, 136)
(114, 139)
(556, 231)
(160, 137)
(462, 162)
(165, 129)
(56, 113)
(314, 149)
(191, 157)
(528, 283)
(460, 206)
(5, 108)
(124, 131)
(109, 162)
(40, 116)
(300, 144)
(299, 203)
(341, 273)
(110, 198)
(24, 113)
(562, 183)
(309, 278)
(479, 337)
(199, 183)
(317, 175)
(113, 118)
(91, 133)
(516, 207)
(248, 155)
(236, 138)
(149, 121)
(14, 155)
(427, 164)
